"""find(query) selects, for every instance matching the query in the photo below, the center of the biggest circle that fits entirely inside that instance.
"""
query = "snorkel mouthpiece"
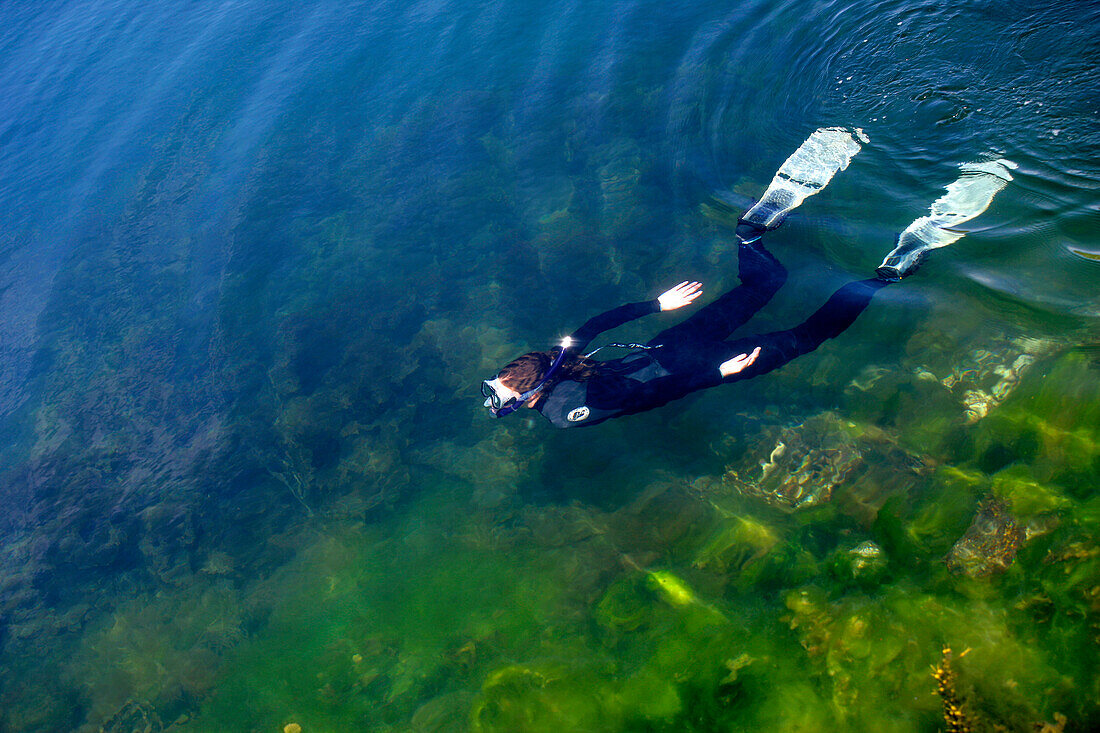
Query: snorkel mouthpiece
(513, 406)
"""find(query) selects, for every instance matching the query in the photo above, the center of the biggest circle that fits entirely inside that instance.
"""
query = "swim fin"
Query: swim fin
(966, 197)
(806, 172)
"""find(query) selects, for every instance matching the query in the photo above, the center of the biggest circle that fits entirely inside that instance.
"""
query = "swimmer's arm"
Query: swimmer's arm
(738, 364)
(613, 318)
(676, 297)
(679, 296)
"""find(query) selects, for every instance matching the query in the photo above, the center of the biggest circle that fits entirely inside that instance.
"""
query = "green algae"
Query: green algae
(874, 649)
(668, 657)
(472, 608)
(729, 614)
(1025, 496)
(167, 650)
(736, 544)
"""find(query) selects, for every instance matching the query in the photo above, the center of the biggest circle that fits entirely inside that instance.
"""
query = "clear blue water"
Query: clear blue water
(255, 258)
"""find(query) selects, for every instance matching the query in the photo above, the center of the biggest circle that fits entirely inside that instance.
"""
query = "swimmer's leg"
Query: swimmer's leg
(967, 197)
(806, 172)
(831, 320)
(761, 276)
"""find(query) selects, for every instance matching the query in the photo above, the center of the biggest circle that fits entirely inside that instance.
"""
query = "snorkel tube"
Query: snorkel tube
(510, 408)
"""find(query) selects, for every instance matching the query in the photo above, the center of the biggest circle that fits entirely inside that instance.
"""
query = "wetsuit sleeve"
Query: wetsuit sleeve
(613, 318)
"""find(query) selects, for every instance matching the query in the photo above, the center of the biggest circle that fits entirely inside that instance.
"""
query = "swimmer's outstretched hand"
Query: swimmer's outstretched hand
(680, 295)
(739, 363)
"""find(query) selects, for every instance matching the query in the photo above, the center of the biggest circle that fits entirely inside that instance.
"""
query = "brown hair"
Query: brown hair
(523, 373)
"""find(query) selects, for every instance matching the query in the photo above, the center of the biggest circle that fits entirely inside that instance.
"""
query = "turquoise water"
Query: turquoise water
(256, 257)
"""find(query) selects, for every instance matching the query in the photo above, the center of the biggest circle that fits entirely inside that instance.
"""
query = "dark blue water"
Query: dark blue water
(255, 258)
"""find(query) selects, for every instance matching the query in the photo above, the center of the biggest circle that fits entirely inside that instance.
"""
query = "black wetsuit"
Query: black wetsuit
(688, 354)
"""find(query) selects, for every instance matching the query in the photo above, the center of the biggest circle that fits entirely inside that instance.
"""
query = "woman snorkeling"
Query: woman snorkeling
(570, 388)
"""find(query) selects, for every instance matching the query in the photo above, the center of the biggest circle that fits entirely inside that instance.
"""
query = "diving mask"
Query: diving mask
(500, 408)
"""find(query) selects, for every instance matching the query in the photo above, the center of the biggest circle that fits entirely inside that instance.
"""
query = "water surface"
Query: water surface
(256, 257)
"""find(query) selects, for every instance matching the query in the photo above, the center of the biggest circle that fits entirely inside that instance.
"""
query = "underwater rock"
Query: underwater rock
(948, 386)
(800, 466)
(865, 564)
(990, 544)
(985, 377)
(133, 716)
(866, 553)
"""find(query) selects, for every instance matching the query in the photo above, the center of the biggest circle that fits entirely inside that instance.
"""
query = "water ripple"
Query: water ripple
(934, 85)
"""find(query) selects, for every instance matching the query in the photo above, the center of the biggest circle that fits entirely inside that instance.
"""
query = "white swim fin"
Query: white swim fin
(807, 171)
(966, 197)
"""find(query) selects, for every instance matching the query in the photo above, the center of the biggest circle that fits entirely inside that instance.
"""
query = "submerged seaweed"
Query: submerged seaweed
(954, 714)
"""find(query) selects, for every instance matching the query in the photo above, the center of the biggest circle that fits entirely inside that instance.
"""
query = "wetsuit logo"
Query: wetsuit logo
(578, 414)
